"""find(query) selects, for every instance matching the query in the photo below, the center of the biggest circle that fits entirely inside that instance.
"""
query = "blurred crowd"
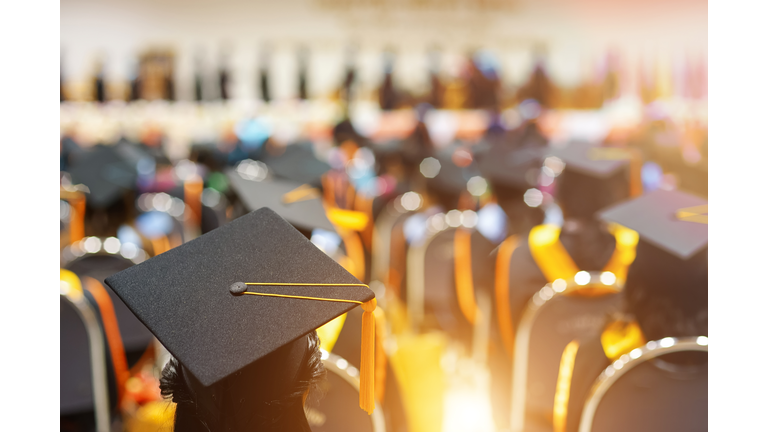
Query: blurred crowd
(475, 212)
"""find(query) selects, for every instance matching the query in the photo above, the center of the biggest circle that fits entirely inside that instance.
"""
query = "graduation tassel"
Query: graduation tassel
(368, 338)
(367, 357)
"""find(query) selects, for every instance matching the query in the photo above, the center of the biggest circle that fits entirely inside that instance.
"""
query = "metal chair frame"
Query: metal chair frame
(627, 362)
(76, 251)
(415, 263)
(522, 341)
(341, 367)
(98, 356)
(382, 241)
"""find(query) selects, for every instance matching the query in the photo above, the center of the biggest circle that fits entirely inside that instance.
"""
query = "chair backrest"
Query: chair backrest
(100, 265)
(83, 383)
(641, 391)
(338, 409)
(554, 316)
(392, 216)
(430, 281)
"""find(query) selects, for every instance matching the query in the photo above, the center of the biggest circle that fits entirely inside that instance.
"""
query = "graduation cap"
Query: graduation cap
(298, 163)
(299, 203)
(511, 166)
(193, 299)
(673, 221)
(449, 178)
(590, 159)
(602, 162)
(106, 173)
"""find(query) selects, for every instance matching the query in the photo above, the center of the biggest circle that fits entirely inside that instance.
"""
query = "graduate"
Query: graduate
(665, 296)
(237, 308)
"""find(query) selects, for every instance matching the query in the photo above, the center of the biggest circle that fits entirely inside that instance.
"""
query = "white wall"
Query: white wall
(575, 32)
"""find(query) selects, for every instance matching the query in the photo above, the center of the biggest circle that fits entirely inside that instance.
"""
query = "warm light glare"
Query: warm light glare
(453, 218)
(666, 342)
(559, 285)
(477, 186)
(469, 218)
(112, 245)
(411, 201)
(92, 244)
(607, 278)
(635, 353)
(533, 197)
(129, 250)
(582, 278)
(341, 363)
(64, 287)
(702, 340)
(430, 167)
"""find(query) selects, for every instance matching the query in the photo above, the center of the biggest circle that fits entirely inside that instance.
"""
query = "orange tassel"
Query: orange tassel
(381, 357)
(367, 353)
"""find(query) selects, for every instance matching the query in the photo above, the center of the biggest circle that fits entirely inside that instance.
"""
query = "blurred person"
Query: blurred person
(387, 93)
(584, 187)
(271, 369)
(665, 295)
(303, 59)
(538, 87)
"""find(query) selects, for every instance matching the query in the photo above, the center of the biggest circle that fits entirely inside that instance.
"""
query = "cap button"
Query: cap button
(238, 288)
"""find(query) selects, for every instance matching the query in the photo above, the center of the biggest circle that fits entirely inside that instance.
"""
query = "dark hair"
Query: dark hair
(581, 196)
(666, 295)
(259, 409)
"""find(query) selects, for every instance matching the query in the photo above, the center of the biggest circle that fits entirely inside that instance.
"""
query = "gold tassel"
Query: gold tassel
(367, 348)
(381, 357)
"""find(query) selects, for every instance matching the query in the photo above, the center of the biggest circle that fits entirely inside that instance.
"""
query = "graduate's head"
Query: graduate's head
(267, 395)
(666, 286)
(238, 309)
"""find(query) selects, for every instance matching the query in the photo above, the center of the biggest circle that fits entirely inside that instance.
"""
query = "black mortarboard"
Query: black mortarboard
(106, 173)
(511, 166)
(670, 220)
(192, 297)
(450, 178)
(591, 159)
(297, 163)
(300, 204)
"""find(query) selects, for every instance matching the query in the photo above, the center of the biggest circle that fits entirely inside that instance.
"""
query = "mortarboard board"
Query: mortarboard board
(300, 204)
(670, 220)
(106, 174)
(450, 178)
(590, 159)
(297, 163)
(511, 166)
(192, 298)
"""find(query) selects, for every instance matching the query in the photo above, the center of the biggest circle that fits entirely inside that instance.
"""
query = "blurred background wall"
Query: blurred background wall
(573, 39)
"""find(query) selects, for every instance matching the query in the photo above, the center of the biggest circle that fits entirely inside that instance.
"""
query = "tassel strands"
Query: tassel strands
(367, 354)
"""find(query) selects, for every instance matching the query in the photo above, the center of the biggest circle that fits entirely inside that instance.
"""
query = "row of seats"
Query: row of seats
(468, 247)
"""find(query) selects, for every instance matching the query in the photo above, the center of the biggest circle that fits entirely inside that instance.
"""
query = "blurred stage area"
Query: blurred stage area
(456, 156)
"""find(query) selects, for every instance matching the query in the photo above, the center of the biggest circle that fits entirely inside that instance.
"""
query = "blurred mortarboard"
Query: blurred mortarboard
(192, 297)
(511, 166)
(299, 203)
(670, 220)
(297, 163)
(450, 178)
(106, 173)
(592, 160)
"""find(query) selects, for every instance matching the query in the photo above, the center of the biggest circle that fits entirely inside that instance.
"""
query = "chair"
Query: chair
(454, 298)
(641, 392)
(337, 409)
(393, 215)
(83, 383)
(556, 315)
(110, 257)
